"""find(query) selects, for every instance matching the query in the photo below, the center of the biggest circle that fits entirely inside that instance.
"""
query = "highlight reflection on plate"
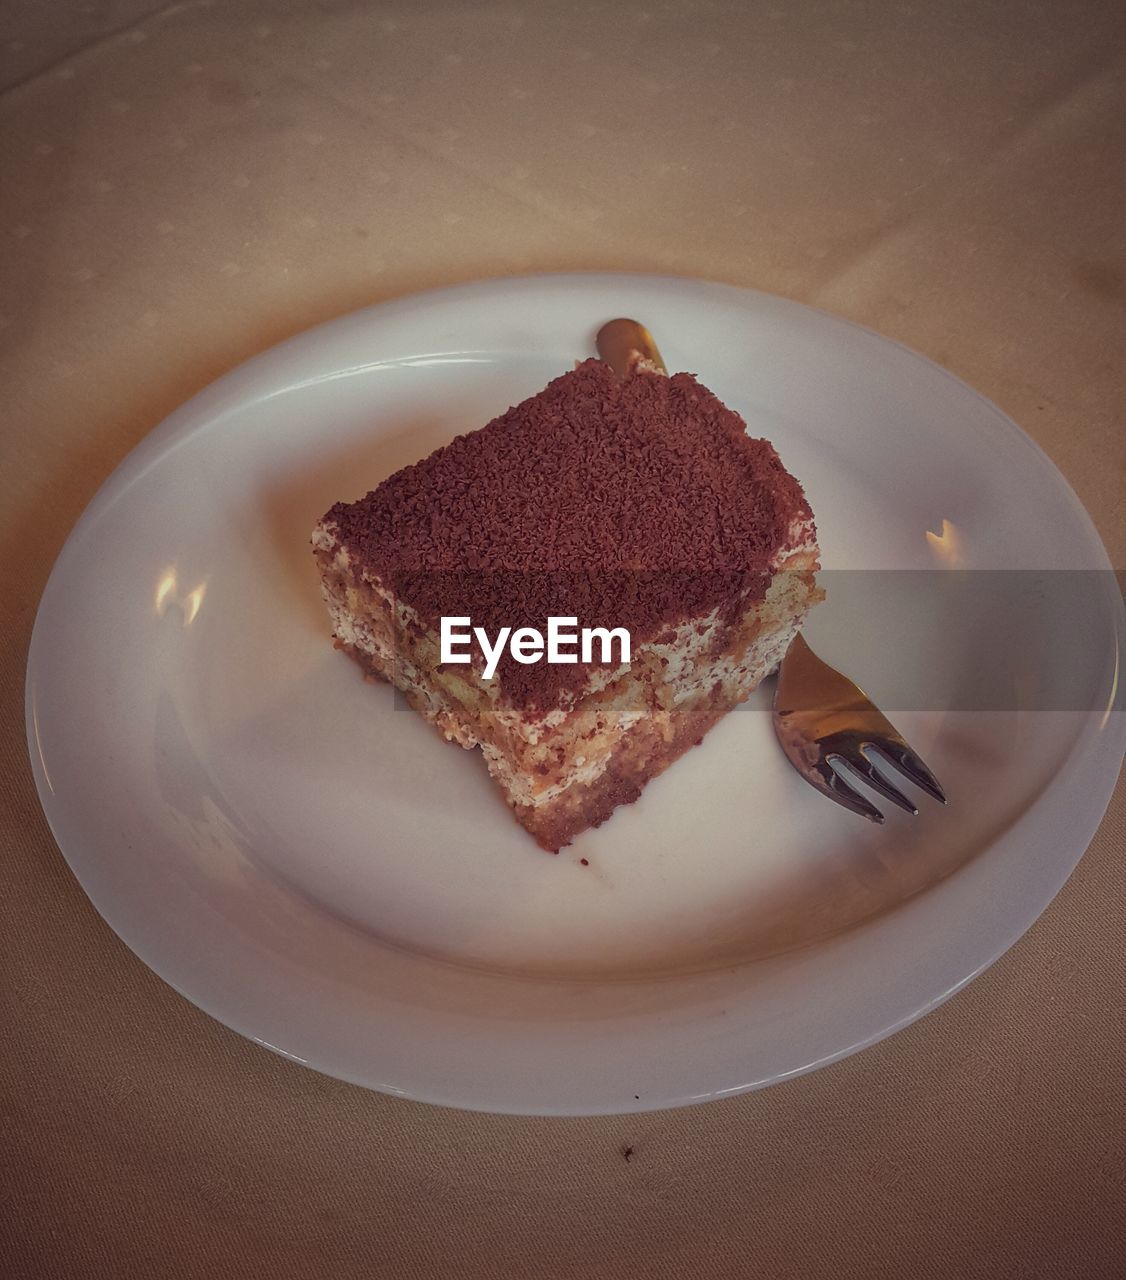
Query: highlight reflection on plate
(304, 858)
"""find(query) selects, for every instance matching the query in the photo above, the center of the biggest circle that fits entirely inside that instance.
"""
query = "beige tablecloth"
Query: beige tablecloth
(183, 185)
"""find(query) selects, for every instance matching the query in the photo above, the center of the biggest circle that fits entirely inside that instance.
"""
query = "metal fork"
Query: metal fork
(820, 717)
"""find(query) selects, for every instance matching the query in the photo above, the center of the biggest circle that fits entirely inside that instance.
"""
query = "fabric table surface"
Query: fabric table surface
(181, 186)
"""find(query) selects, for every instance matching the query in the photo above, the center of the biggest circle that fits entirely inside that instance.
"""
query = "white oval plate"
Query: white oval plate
(311, 864)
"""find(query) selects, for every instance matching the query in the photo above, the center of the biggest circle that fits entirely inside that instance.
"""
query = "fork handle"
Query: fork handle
(620, 342)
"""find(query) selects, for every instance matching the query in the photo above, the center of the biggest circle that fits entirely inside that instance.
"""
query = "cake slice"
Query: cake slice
(637, 503)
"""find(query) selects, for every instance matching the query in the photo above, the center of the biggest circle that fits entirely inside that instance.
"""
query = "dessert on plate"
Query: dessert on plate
(636, 503)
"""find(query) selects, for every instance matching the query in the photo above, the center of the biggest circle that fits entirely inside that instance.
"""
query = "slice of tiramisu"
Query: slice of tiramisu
(638, 504)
